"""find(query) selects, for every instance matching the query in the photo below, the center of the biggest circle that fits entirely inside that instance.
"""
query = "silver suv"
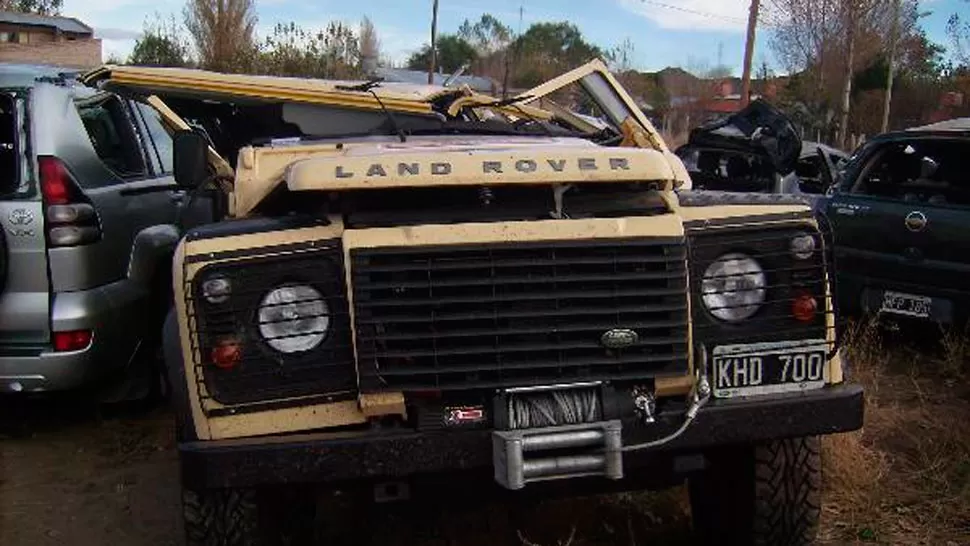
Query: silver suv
(90, 217)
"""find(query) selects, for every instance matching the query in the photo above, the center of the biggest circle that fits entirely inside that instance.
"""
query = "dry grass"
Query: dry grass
(904, 478)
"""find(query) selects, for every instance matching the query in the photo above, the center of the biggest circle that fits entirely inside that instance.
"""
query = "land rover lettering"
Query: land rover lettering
(525, 165)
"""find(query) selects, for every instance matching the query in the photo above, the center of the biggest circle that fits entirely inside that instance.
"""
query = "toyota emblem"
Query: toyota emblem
(20, 217)
(916, 221)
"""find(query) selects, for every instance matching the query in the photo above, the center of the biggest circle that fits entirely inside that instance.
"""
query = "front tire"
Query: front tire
(768, 494)
(220, 517)
(247, 517)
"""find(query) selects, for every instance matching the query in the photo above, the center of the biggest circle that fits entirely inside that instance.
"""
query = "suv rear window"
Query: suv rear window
(13, 182)
(920, 170)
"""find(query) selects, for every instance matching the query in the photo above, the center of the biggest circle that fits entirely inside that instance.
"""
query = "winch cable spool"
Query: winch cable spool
(546, 409)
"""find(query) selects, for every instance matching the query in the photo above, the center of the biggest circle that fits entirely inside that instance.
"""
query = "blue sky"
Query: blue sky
(693, 34)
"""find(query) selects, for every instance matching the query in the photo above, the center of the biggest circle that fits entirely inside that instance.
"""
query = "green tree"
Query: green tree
(290, 50)
(42, 7)
(490, 38)
(487, 35)
(161, 44)
(453, 53)
(547, 49)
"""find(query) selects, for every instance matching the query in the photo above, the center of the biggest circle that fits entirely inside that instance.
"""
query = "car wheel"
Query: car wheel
(220, 517)
(768, 494)
(247, 517)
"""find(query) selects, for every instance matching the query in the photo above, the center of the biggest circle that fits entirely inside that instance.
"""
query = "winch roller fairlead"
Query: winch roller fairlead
(570, 431)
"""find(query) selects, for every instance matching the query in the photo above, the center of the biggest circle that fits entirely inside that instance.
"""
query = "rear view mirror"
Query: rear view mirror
(190, 159)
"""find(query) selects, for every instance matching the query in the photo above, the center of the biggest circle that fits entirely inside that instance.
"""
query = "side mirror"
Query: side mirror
(190, 159)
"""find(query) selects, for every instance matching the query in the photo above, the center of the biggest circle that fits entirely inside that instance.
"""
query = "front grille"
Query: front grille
(486, 316)
(264, 373)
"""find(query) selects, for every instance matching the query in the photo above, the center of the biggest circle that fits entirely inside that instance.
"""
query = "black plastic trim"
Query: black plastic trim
(248, 226)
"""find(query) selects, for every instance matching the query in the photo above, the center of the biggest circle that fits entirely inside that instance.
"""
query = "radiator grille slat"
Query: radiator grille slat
(485, 316)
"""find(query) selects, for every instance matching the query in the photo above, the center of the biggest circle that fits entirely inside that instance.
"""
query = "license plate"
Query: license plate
(769, 368)
(909, 305)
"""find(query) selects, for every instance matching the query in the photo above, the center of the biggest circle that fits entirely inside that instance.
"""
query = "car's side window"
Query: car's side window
(919, 171)
(113, 137)
(159, 141)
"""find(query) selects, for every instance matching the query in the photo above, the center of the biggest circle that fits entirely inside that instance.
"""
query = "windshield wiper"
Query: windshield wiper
(368, 87)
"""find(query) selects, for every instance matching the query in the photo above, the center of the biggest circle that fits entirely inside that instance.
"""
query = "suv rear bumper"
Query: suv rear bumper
(386, 456)
(861, 294)
(109, 311)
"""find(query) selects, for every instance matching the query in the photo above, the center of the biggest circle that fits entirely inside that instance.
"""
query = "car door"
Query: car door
(899, 227)
(125, 184)
(24, 289)
(190, 209)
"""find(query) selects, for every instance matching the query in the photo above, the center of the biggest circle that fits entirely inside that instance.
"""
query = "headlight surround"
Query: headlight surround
(293, 318)
(733, 287)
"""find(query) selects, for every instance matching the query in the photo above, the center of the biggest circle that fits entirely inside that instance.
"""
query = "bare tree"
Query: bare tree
(959, 31)
(223, 32)
(828, 40)
(858, 18)
(802, 32)
(370, 46)
(42, 7)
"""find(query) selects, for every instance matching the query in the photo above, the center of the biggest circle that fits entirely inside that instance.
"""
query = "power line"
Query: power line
(695, 12)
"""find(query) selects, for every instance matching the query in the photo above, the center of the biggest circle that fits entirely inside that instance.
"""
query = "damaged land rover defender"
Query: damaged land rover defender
(423, 289)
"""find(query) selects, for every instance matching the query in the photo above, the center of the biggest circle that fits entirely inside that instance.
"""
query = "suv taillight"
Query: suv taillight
(71, 220)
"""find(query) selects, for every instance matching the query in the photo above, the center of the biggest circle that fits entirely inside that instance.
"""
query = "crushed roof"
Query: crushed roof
(478, 83)
(64, 24)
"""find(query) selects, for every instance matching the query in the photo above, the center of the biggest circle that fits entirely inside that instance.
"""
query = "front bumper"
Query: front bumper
(387, 456)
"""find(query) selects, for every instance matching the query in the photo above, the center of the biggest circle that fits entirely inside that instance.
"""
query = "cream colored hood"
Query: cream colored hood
(446, 161)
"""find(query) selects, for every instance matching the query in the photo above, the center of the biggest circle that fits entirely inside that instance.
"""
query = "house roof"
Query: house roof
(958, 124)
(420, 77)
(64, 24)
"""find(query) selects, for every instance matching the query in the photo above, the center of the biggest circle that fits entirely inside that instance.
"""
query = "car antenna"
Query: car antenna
(368, 87)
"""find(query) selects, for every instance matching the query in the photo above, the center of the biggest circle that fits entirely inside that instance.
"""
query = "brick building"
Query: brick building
(52, 40)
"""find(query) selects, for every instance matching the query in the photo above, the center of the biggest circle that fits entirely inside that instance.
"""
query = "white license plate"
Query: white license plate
(769, 368)
(909, 305)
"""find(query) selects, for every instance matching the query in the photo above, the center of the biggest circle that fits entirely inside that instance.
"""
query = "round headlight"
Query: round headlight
(293, 318)
(733, 287)
(802, 246)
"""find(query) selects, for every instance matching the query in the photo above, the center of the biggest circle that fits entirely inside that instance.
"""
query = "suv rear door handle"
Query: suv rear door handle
(178, 196)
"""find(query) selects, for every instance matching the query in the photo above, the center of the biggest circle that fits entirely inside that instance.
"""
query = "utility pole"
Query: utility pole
(893, 45)
(509, 54)
(434, 43)
(749, 52)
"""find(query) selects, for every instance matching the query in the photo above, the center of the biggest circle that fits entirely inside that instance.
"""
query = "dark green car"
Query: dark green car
(899, 212)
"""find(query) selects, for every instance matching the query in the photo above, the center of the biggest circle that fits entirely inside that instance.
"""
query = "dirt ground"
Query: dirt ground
(69, 475)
